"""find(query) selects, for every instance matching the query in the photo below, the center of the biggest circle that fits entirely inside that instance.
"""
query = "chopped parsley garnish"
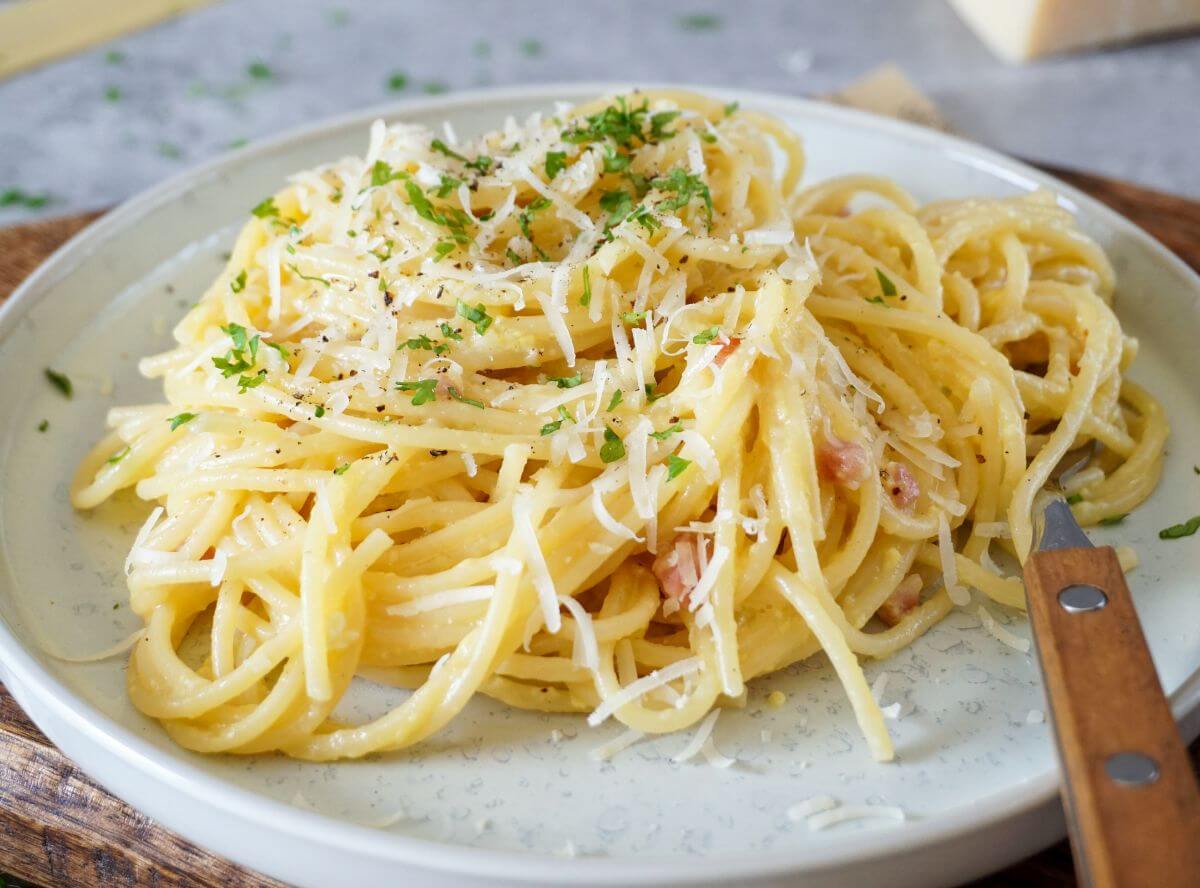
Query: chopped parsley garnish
(449, 332)
(281, 349)
(481, 164)
(651, 395)
(586, 299)
(686, 187)
(447, 185)
(885, 283)
(616, 399)
(1112, 520)
(424, 343)
(382, 173)
(523, 223)
(700, 21)
(451, 218)
(566, 382)
(434, 88)
(443, 248)
(60, 381)
(667, 432)
(397, 81)
(241, 357)
(112, 94)
(477, 316)
(613, 447)
(15, 197)
(633, 317)
(530, 47)
(266, 209)
(645, 218)
(170, 149)
(614, 160)
(675, 466)
(706, 336)
(424, 390)
(114, 57)
(249, 382)
(1074, 498)
(878, 300)
(342, 469)
(238, 283)
(319, 411)
(622, 125)
(1179, 531)
(618, 203)
(179, 419)
(556, 162)
(551, 427)
(731, 108)
(43, 425)
(459, 396)
(259, 71)
(513, 257)
(658, 124)
(308, 277)
(118, 456)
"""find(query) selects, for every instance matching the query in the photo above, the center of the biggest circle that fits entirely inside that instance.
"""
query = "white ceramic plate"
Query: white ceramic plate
(495, 798)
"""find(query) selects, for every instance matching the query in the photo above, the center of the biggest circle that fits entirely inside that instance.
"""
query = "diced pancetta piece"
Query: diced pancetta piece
(901, 484)
(678, 568)
(727, 349)
(903, 600)
(842, 462)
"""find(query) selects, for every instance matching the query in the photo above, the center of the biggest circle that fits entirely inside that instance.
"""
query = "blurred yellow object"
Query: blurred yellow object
(1020, 30)
(33, 32)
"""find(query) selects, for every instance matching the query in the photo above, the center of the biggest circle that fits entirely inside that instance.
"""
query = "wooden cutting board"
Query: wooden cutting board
(58, 828)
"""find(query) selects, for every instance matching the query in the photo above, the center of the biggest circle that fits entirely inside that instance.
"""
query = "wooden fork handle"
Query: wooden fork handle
(1132, 802)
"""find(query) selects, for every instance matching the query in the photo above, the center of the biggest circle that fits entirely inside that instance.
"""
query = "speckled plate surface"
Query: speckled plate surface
(503, 796)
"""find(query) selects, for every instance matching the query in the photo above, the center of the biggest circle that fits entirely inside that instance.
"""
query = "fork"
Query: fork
(1130, 795)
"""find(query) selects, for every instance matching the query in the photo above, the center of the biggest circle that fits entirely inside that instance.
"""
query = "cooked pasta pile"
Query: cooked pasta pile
(600, 413)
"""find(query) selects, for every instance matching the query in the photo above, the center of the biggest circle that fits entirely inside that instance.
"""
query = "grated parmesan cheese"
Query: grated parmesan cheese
(957, 593)
(714, 757)
(606, 751)
(845, 813)
(536, 561)
(1000, 633)
(606, 520)
(642, 686)
(811, 806)
(692, 749)
(586, 651)
(702, 453)
(998, 529)
(708, 578)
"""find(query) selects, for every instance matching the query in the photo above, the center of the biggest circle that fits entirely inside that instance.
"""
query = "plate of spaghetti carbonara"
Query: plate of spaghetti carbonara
(602, 437)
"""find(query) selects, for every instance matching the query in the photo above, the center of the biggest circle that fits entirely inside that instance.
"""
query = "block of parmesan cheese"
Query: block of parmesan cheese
(1019, 30)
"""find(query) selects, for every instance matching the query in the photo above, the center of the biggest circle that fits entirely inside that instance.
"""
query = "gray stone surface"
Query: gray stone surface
(96, 128)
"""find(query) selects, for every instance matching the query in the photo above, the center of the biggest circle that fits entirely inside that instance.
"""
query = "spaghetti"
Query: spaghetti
(600, 413)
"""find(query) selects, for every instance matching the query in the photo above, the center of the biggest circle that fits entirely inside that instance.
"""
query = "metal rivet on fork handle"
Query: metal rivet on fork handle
(1081, 598)
(1131, 768)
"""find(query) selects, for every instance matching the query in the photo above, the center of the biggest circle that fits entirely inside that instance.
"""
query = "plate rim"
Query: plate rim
(24, 674)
